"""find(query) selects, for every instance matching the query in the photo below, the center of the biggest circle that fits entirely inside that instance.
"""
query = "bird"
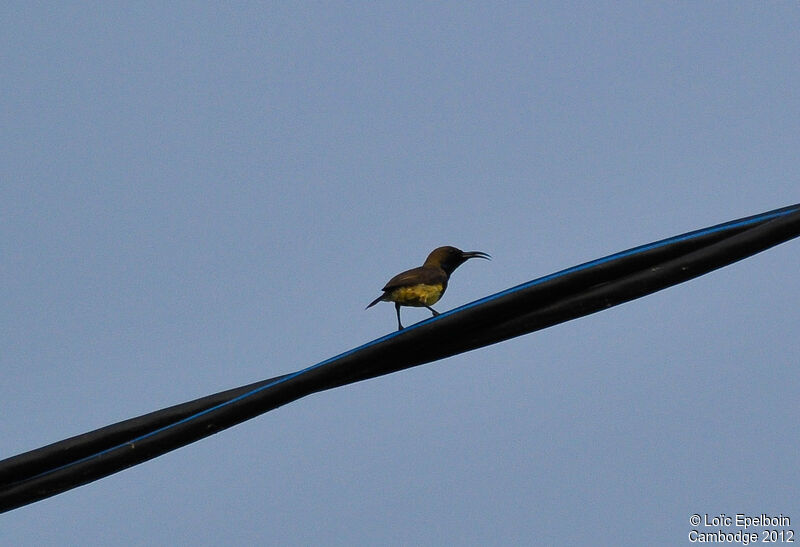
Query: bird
(423, 286)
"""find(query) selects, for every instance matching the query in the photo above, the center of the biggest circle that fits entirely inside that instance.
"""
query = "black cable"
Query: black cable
(53, 456)
(525, 308)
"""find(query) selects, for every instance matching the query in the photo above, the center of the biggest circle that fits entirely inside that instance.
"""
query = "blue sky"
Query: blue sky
(198, 196)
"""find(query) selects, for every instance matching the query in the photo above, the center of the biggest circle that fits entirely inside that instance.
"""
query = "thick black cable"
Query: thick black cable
(528, 307)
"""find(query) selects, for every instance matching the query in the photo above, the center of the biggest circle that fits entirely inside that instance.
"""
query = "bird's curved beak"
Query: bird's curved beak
(475, 254)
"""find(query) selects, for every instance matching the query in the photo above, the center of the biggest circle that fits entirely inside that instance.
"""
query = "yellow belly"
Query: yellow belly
(416, 295)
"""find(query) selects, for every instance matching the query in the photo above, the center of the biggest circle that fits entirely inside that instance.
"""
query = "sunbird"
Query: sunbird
(424, 286)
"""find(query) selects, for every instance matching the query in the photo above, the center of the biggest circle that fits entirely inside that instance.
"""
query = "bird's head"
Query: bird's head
(449, 258)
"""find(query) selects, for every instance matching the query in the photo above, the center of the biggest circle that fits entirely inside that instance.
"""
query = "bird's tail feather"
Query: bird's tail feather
(375, 301)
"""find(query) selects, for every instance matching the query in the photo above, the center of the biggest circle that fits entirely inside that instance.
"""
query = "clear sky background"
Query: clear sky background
(198, 196)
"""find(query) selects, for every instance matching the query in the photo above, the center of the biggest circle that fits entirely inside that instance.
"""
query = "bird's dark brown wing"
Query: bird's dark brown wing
(424, 274)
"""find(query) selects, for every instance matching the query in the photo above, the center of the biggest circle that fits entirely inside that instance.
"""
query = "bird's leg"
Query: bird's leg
(434, 312)
(397, 309)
